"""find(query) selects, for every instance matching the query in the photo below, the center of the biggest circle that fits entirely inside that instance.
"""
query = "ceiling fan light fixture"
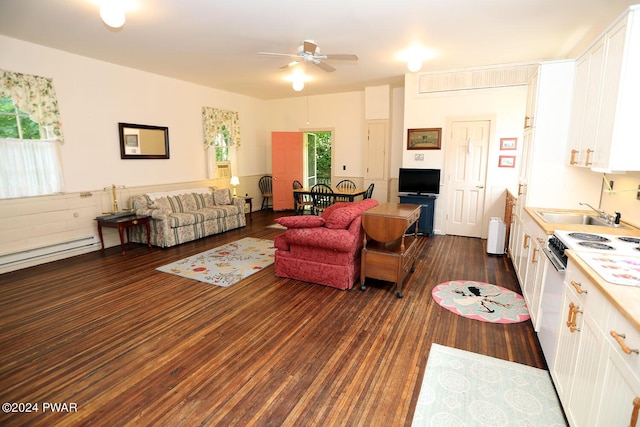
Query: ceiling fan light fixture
(297, 84)
(414, 65)
(112, 13)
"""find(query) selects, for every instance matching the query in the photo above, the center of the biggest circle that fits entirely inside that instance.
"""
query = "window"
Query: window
(221, 138)
(15, 123)
(30, 136)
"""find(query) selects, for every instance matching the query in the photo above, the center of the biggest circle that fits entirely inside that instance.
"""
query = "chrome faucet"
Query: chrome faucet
(601, 214)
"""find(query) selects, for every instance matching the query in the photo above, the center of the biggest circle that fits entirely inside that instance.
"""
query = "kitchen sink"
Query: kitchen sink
(572, 218)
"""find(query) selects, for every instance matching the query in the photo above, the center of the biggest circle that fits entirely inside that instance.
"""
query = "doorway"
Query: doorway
(317, 157)
(466, 166)
(303, 156)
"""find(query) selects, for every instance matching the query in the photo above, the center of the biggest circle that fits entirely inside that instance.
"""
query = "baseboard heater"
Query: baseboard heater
(48, 252)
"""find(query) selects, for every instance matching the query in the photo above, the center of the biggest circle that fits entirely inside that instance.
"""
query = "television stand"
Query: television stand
(427, 204)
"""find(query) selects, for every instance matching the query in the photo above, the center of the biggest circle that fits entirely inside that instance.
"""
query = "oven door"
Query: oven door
(551, 306)
(557, 263)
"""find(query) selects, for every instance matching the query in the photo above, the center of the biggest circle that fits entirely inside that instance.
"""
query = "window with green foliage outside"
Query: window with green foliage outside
(15, 123)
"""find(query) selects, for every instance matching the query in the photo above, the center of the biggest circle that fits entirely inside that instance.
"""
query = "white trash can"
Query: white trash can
(495, 240)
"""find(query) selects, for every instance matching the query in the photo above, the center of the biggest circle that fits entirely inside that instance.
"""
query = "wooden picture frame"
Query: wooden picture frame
(507, 161)
(424, 139)
(508, 143)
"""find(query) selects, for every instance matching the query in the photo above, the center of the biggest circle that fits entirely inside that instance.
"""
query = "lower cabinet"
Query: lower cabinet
(427, 205)
(595, 375)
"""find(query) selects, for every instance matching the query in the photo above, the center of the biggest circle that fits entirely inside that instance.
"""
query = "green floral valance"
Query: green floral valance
(36, 96)
(213, 120)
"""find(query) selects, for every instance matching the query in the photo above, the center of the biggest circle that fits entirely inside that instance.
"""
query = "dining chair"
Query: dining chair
(301, 201)
(322, 196)
(265, 189)
(369, 193)
(345, 184)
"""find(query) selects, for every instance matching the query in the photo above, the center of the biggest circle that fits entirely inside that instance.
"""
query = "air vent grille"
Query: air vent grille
(476, 79)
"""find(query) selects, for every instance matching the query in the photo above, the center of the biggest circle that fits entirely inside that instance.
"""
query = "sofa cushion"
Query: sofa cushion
(222, 196)
(331, 209)
(162, 204)
(342, 217)
(301, 221)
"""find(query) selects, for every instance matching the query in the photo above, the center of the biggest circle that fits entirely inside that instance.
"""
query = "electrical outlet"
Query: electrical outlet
(638, 195)
(610, 185)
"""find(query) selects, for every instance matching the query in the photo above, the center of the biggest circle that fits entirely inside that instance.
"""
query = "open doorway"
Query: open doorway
(317, 158)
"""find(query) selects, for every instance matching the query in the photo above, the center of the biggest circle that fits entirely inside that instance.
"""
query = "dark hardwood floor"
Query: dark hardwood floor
(127, 344)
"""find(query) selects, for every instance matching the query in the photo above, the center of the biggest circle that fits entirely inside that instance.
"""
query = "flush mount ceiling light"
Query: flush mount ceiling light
(112, 13)
(414, 56)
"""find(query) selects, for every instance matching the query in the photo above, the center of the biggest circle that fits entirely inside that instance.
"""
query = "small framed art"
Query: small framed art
(424, 139)
(507, 161)
(508, 143)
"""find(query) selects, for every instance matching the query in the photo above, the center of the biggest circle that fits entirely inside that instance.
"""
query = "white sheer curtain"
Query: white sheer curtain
(29, 167)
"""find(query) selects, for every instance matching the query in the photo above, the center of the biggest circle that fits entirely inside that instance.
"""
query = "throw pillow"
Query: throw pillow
(342, 218)
(301, 221)
(222, 196)
(329, 211)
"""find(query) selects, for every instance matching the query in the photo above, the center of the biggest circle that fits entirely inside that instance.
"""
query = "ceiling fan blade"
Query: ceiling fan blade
(342, 56)
(290, 64)
(290, 55)
(309, 47)
(326, 67)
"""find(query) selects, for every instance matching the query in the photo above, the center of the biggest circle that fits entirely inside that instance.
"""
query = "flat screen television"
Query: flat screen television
(419, 181)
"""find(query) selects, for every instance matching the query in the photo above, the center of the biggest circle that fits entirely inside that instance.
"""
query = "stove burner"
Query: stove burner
(589, 237)
(596, 245)
(629, 239)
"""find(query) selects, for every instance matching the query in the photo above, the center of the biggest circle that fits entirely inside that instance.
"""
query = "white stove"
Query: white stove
(615, 258)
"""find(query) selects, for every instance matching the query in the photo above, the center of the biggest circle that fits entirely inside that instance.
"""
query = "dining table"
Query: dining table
(349, 193)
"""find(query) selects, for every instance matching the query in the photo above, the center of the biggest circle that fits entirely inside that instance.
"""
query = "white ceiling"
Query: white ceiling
(216, 43)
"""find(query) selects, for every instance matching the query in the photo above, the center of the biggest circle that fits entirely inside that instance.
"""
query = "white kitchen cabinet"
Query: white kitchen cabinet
(606, 100)
(532, 264)
(585, 106)
(620, 378)
(596, 380)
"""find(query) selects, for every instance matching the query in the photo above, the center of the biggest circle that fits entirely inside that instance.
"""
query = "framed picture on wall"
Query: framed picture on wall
(424, 139)
(507, 161)
(508, 143)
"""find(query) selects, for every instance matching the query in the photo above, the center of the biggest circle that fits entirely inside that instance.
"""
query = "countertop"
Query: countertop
(625, 298)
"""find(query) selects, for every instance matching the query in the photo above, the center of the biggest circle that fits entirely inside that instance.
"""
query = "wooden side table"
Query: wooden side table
(389, 254)
(249, 200)
(123, 223)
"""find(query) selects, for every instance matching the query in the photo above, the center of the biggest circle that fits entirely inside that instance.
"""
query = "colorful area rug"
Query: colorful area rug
(225, 265)
(461, 388)
(277, 226)
(481, 301)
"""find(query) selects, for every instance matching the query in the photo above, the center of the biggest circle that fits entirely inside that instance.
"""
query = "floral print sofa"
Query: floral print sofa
(323, 249)
(185, 215)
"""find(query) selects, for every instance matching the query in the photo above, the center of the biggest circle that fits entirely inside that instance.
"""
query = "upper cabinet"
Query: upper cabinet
(606, 100)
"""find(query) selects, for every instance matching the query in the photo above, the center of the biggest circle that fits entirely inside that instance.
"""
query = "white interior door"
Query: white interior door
(466, 166)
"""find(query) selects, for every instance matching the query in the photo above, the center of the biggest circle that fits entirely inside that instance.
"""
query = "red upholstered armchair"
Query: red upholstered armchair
(323, 249)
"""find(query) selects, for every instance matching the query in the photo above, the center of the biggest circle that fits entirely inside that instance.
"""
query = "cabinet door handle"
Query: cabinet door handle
(578, 287)
(634, 413)
(587, 162)
(534, 256)
(620, 340)
(573, 314)
(573, 160)
(519, 189)
(525, 243)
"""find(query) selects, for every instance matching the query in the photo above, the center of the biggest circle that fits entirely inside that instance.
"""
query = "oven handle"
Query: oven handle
(557, 264)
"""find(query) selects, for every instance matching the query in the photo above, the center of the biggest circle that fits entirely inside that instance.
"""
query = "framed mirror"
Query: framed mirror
(143, 142)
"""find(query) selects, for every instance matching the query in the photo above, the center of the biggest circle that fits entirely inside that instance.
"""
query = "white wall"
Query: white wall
(624, 197)
(342, 113)
(93, 96)
(505, 105)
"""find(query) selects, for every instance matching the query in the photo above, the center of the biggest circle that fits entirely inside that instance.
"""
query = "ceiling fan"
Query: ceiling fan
(309, 52)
